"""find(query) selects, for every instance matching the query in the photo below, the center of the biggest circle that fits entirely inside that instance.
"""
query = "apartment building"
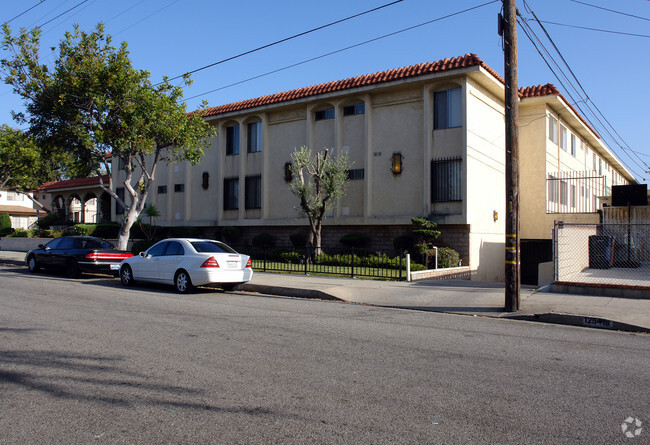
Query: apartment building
(425, 140)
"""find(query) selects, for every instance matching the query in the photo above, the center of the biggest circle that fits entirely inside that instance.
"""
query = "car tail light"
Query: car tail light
(210, 262)
(249, 264)
(108, 255)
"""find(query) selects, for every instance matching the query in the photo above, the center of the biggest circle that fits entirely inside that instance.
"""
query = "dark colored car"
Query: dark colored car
(76, 254)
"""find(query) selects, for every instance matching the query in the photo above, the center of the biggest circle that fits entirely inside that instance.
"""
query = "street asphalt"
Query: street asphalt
(451, 296)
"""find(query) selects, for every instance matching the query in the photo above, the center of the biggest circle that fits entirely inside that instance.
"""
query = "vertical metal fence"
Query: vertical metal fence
(339, 262)
(606, 254)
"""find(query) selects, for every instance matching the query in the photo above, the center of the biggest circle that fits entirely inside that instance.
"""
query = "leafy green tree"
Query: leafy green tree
(94, 106)
(318, 179)
(20, 161)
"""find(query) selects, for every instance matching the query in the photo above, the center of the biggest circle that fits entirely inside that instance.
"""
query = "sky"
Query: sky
(605, 44)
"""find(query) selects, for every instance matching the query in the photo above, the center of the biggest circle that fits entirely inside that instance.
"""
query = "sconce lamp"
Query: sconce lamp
(495, 215)
(396, 164)
(287, 172)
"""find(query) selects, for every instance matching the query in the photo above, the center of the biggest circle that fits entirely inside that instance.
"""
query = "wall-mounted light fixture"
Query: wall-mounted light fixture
(396, 164)
(495, 215)
(206, 180)
(288, 176)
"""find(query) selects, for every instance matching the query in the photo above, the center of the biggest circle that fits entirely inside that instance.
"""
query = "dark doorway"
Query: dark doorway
(534, 252)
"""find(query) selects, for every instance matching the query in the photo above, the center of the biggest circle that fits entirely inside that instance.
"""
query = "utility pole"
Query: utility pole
(512, 260)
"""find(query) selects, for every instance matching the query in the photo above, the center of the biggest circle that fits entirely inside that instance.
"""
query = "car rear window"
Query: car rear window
(212, 247)
(89, 243)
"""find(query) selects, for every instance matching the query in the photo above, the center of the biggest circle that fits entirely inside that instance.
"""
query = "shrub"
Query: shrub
(356, 240)
(5, 223)
(290, 257)
(79, 229)
(141, 246)
(264, 240)
(107, 230)
(448, 257)
(404, 242)
(50, 233)
(48, 220)
(298, 239)
(231, 234)
(22, 233)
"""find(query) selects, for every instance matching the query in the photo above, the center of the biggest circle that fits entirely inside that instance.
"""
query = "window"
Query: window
(67, 243)
(600, 166)
(15, 196)
(552, 129)
(446, 180)
(174, 248)
(573, 196)
(179, 188)
(205, 180)
(212, 247)
(574, 144)
(563, 138)
(254, 142)
(232, 140)
(158, 249)
(447, 111)
(120, 164)
(355, 174)
(119, 210)
(327, 113)
(162, 189)
(563, 192)
(253, 198)
(552, 188)
(594, 156)
(351, 110)
(231, 193)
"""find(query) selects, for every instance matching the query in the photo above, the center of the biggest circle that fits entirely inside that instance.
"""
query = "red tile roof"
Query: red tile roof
(421, 69)
(550, 90)
(73, 183)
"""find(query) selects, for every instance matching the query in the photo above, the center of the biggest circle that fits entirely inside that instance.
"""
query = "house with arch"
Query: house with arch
(80, 200)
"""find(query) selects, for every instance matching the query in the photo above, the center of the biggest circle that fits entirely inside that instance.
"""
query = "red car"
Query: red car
(77, 254)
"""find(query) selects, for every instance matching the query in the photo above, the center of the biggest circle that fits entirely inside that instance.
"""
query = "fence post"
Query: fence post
(306, 258)
(556, 258)
(408, 267)
(352, 261)
(401, 254)
(264, 267)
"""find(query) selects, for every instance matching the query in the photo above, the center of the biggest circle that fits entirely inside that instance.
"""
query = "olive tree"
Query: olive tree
(318, 179)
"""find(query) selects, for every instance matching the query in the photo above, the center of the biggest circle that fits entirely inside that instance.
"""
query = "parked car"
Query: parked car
(188, 262)
(76, 254)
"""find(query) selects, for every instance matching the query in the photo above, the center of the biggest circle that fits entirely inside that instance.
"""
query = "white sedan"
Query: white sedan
(188, 262)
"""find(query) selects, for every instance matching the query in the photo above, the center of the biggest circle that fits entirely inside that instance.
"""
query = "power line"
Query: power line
(285, 39)
(587, 101)
(25, 11)
(596, 29)
(63, 13)
(343, 49)
(612, 10)
(583, 90)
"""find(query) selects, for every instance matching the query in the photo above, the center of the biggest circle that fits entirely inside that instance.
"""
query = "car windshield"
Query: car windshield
(212, 247)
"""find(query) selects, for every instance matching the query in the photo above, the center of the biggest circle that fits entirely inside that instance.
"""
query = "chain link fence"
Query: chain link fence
(602, 254)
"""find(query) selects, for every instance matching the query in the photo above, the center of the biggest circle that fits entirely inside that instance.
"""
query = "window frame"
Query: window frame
(232, 140)
(254, 137)
(448, 108)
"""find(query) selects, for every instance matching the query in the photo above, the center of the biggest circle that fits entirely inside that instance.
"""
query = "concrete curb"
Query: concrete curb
(583, 321)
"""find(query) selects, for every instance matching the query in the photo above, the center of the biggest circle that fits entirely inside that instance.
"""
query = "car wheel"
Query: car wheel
(183, 282)
(32, 264)
(126, 275)
(229, 286)
(72, 269)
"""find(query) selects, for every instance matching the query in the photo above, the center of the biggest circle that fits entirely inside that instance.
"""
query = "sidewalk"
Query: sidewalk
(457, 297)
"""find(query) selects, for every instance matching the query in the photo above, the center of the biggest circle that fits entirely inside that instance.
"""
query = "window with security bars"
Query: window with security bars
(253, 192)
(446, 180)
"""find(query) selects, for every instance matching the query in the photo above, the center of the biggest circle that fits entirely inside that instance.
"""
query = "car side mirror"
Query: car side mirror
(41, 246)
(143, 254)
